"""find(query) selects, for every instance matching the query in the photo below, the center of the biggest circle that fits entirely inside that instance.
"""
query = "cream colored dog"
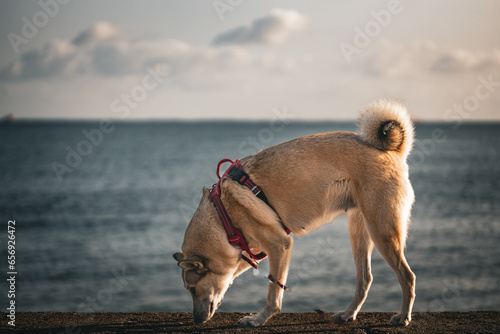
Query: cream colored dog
(308, 181)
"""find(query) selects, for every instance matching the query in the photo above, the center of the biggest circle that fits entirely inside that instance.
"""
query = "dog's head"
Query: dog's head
(209, 263)
(207, 288)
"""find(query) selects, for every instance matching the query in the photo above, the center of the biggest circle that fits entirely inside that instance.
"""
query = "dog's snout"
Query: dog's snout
(204, 309)
(198, 319)
(202, 317)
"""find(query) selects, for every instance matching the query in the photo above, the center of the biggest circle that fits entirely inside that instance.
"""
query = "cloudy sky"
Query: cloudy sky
(227, 59)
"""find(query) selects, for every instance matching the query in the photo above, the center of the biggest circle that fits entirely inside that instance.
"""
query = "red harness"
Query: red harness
(234, 235)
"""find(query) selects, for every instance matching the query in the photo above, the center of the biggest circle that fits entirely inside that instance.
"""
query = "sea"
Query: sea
(99, 208)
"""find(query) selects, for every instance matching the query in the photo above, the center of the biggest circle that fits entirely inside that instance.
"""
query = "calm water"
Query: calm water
(102, 238)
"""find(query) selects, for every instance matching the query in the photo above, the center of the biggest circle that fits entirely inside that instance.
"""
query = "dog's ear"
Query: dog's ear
(193, 263)
(179, 256)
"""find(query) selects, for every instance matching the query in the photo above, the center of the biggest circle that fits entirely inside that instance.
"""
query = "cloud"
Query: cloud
(100, 32)
(465, 60)
(419, 58)
(81, 77)
(271, 29)
(104, 50)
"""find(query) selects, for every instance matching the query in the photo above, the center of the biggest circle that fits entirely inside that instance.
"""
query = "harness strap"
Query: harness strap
(234, 235)
(237, 173)
(250, 262)
(284, 287)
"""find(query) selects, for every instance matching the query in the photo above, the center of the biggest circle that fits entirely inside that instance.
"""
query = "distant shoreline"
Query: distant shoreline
(226, 322)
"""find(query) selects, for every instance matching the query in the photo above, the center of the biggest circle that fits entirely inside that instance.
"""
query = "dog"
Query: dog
(307, 182)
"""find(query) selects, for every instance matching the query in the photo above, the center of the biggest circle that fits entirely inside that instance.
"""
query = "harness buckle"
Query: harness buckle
(253, 190)
(236, 239)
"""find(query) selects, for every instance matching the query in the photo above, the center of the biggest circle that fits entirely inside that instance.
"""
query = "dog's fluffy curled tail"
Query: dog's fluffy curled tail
(386, 125)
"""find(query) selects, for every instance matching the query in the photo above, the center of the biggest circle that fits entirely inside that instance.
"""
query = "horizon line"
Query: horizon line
(220, 120)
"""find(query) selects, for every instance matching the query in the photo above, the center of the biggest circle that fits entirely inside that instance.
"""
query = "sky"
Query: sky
(240, 59)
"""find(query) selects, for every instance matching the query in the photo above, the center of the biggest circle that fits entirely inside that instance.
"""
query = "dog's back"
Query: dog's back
(336, 167)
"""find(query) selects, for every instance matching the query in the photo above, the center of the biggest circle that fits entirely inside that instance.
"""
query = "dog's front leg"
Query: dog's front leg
(279, 261)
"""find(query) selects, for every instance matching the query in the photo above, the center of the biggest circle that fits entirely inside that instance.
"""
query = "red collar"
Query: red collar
(234, 235)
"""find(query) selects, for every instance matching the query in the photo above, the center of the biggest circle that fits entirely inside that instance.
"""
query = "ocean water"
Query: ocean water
(101, 237)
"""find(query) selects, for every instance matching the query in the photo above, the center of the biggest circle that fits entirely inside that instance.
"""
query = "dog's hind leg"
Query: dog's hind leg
(388, 232)
(362, 247)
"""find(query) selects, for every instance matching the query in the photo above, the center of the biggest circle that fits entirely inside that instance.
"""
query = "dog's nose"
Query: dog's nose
(198, 319)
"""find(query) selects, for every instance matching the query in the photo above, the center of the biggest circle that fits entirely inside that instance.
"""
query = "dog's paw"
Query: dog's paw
(342, 316)
(401, 320)
(249, 321)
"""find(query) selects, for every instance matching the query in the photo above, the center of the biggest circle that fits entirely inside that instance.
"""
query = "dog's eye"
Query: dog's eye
(193, 290)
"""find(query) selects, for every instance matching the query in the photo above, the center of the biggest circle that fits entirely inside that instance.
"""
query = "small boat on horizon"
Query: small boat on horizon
(9, 118)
